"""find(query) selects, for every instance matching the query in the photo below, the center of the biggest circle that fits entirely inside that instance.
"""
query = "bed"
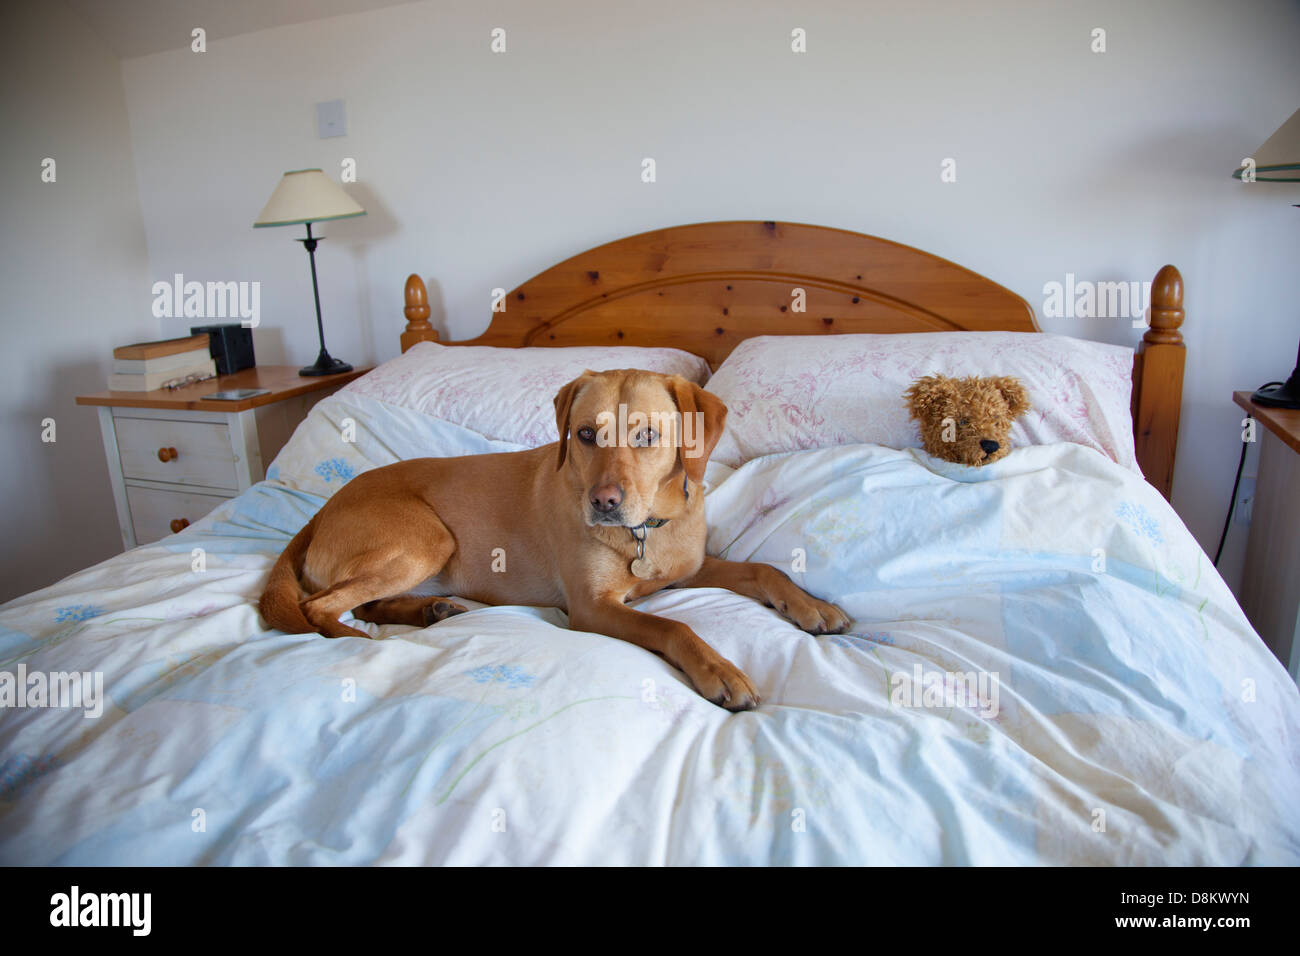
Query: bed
(1131, 715)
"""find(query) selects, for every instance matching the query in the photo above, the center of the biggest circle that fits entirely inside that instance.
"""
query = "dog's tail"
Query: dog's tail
(281, 601)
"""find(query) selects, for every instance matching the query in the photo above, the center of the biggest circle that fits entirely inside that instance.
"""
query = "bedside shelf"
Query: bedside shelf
(173, 456)
(1270, 582)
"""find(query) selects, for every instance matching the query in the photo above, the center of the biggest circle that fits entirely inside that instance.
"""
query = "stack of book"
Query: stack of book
(148, 365)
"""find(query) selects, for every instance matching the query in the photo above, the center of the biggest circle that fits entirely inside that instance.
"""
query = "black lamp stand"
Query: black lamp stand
(1286, 395)
(325, 363)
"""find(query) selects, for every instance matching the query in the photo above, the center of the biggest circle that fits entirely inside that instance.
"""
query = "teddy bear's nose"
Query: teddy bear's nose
(989, 445)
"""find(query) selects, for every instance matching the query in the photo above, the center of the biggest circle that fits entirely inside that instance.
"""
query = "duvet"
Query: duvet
(1044, 668)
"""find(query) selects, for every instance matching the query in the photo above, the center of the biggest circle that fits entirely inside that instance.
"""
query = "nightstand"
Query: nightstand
(173, 456)
(1270, 584)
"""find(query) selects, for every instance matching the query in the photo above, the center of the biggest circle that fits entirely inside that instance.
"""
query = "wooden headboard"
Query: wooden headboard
(706, 287)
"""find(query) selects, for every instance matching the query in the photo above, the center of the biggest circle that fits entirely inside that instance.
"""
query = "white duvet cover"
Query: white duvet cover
(1123, 709)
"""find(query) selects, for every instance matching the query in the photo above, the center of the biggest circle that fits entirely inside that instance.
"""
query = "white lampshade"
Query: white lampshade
(1278, 160)
(307, 195)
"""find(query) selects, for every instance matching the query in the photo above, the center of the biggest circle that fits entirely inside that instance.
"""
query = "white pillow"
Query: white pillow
(785, 393)
(504, 393)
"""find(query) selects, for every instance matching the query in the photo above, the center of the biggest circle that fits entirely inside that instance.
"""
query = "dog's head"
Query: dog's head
(629, 440)
(967, 420)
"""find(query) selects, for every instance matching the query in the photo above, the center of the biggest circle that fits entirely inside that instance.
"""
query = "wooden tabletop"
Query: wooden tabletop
(282, 381)
(1282, 422)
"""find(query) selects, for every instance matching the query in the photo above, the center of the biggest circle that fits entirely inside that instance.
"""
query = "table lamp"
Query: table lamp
(306, 196)
(1278, 161)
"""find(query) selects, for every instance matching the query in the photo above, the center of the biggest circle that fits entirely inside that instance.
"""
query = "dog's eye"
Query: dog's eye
(645, 438)
(586, 435)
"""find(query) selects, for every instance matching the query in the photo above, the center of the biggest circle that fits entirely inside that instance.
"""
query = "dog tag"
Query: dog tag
(644, 569)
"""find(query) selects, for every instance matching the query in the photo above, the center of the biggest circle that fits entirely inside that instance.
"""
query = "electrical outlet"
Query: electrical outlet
(1245, 499)
(331, 119)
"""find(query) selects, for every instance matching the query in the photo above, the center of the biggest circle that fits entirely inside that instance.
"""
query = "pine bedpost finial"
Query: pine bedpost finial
(418, 328)
(1158, 382)
(1166, 308)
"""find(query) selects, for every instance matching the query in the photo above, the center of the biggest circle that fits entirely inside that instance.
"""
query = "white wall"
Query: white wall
(73, 269)
(480, 170)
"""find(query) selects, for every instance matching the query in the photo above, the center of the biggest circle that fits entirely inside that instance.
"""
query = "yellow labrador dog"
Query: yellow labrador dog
(612, 512)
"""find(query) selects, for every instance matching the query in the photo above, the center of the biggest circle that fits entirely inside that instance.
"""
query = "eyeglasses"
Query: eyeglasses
(193, 379)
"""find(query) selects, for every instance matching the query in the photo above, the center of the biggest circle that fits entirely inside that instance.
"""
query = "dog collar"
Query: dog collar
(640, 531)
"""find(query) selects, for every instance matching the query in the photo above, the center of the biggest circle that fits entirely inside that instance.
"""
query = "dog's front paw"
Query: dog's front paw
(811, 614)
(799, 607)
(721, 682)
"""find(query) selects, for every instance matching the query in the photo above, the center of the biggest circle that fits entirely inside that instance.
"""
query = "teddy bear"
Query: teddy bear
(967, 420)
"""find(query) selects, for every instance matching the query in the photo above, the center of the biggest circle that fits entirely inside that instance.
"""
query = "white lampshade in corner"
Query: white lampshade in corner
(307, 195)
(1278, 160)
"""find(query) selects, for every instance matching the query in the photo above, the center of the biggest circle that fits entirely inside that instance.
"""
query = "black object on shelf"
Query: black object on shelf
(1286, 395)
(230, 344)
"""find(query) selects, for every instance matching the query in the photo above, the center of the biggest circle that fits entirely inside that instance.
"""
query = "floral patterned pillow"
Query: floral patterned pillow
(503, 393)
(790, 392)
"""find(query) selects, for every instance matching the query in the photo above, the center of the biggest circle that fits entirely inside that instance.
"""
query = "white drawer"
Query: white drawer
(153, 511)
(202, 452)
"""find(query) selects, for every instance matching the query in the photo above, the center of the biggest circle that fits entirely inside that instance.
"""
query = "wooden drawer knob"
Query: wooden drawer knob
(167, 454)
(179, 524)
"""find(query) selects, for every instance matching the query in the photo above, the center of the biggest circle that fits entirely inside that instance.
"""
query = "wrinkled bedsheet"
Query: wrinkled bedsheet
(1044, 667)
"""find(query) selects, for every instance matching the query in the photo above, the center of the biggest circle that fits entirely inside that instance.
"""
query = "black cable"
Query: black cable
(1232, 502)
(1236, 483)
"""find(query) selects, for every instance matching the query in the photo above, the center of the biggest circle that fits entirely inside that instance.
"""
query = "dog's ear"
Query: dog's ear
(927, 393)
(1015, 394)
(563, 404)
(708, 418)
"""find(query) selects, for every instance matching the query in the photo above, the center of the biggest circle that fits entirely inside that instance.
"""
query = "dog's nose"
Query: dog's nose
(606, 498)
(989, 445)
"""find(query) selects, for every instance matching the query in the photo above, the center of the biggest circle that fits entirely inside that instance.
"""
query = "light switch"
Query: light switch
(331, 120)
